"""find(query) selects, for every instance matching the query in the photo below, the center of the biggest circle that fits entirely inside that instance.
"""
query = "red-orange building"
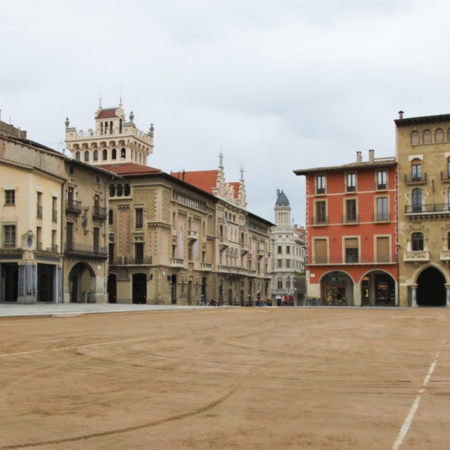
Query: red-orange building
(351, 232)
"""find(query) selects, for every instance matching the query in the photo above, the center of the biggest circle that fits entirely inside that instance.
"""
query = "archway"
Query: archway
(431, 288)
(10, 282)
(139, 288)
(337, 289)
(81, 283)
(378, 289)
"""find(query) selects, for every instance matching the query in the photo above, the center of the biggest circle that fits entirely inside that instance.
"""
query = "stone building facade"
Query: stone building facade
(423, 155)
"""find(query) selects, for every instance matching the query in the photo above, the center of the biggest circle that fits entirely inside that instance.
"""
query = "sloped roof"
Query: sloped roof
(129, 169)
(378, 162)
(202, 179)
(422, 119)
(107, 113)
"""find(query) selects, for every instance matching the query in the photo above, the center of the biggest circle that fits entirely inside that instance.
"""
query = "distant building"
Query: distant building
(351, 228)
(423, 154)
(288, 255)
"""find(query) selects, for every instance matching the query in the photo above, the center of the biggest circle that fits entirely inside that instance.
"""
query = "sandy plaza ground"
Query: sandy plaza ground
(225, 378)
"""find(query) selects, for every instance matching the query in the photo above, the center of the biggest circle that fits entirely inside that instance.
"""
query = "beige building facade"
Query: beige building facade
(423, 155)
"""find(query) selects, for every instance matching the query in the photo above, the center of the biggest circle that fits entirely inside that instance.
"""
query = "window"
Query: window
(54, 209)
(448, 168)
(288, 263)
(10, 197)
(110, 217)
(39, 205)
(86, 155)
(381, 179)
(39, 238)
(78, 156)
(95, 155)
(320, 251)
(114, 154)
(427, 137)
(288, 250)
(350, 211)
(448, 135)
(105, 154)
(139, 217)
(417, 200)
(382, 214)
(279, 263)
(351, 250)
(321, 212)
(126, 190)
(9, 235)
(320, 184)
(414, 138)
(439, 135)
(351, 182)
(448, 241)
(139, 252)
(417, 242)
(111, 253)
(280, 249)
(416, 170)
(383, 249)
(279, 284)
(54, 241)
(123, 153)
(96, 240)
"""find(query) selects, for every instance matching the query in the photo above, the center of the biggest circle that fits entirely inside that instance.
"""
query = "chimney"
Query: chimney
(371, 155)
(358, 157)
(400, 114)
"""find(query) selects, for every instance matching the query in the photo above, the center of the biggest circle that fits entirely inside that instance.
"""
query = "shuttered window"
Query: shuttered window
(351, 250)
(383, 249)
(320, 250)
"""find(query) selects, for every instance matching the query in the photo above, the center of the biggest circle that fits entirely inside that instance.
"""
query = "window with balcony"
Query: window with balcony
(351, 250)
(320, 184)
(382, 209)
(416, 200)
(416, 170)
(9, 236)
(320, 251)
(417, 242)
(321, 212)
(139, 252)
(10, 197)
(381, 180)
(351, 182)
(351, 215)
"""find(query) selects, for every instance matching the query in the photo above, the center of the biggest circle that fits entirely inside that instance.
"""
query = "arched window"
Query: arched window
(78, 156)
(112, 190)
(417, 242)
(95, 155)
(114, 154)
(127, 190)
(105, 154)
(123, 153)
(414, 138)
(427, 137)
(439, 135)
(417, 200)
(86, 155)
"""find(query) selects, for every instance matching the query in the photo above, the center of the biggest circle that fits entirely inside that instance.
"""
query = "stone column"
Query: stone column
(414, 295)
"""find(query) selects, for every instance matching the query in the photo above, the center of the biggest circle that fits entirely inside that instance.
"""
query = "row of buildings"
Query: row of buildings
(102, 226)
(378, 231)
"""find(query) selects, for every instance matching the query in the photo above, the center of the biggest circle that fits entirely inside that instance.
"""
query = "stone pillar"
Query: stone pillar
(413, 295)
(27, 292)
(447, 291)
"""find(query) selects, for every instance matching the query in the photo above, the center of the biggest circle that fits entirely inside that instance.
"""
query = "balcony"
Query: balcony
(223, 244)
(319, 221)
(99, 213)
(430, 211)
(51, 249)
(192, 235)
(416, 256)
(445, 255)
(206, 267)
(416, 180)
(340, 260)
(177, 262)
(73, 207)
(88, 251)
(382, 217)
(137, 260)
(351, 219)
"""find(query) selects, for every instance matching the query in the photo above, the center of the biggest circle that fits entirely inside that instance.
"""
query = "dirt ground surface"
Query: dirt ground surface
(227, 378)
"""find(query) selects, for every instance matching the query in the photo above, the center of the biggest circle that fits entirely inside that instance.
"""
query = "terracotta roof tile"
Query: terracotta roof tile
(130, 169)
(235, 184)
(202, 179)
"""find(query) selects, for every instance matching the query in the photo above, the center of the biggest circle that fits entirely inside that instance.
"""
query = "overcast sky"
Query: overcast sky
(275, 85)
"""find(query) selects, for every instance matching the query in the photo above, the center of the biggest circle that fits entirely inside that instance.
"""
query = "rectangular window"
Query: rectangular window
(111, 253)
(10, 197)
(288, 263)
(288, 249)
(139, 252)
(416, 171)
(320, 184)
(279, 263)
(280, 250)
(383, 249)
(350, 211)
(139, 218)
(320, 251)
(381, 180)
(39, 205)
(382, 214)
(54, 209)
(351, 182)
(96, 241)
(9, 235)
(110, 217)
(321, 212)
(351, 250)
(279, 284)
(69, 237)
(39, 238)
(54, 241)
